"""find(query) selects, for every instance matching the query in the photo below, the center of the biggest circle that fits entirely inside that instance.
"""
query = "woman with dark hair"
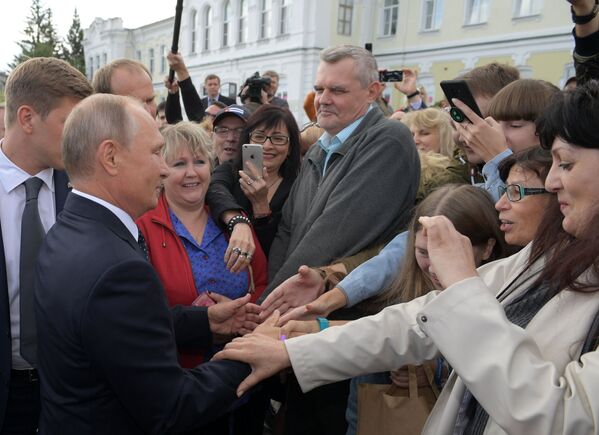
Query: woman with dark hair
(520, 333)
(524, 199)
(262, 193)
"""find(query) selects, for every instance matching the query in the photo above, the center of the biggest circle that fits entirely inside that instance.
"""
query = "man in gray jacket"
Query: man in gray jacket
(358, 183)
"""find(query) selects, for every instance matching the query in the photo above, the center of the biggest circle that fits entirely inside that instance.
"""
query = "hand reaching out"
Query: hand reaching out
(265, 355)
(295, 291)
(231, 317)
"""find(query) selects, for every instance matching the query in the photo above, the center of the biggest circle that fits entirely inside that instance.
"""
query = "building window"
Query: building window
(477, 11)
(138, 55)
(97, 62)
(525, 8)
(227, 21)
(151, 57)
(104, 58)
(265, 10)
(344, 17)
(207, 23)
(243, 17)
(390, 14)
(91, 67)
(284, 17)
(194, 26)
(432, 13)
(162, 59)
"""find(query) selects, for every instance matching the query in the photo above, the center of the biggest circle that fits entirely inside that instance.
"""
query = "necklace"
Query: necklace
(278, 180)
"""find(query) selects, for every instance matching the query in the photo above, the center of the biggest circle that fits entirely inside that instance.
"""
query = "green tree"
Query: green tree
(41, 39)
(72, 51)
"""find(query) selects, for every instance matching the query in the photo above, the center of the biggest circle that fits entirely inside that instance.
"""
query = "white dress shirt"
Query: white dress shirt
(118, 212)
(12, 204)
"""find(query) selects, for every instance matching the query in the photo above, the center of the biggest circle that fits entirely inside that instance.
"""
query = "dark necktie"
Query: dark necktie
(32, 235)
(141, 241)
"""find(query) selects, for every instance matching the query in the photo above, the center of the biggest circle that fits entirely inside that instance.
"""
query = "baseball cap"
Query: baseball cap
(233, 110)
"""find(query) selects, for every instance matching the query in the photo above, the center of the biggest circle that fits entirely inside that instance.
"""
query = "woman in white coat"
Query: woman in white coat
(513, 330)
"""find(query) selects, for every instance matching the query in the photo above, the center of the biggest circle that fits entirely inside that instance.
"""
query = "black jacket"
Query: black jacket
(106, 338)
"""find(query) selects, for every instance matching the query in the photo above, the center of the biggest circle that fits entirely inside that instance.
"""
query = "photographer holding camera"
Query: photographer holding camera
(254, 91)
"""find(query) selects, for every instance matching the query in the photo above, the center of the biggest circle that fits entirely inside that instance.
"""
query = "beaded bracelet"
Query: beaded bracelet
(236, 220)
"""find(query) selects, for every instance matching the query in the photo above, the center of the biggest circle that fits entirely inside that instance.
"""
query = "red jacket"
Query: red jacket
(169, 258)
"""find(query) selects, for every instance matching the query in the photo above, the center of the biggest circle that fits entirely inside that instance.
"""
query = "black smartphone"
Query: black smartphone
(459, 89)
(390, 76)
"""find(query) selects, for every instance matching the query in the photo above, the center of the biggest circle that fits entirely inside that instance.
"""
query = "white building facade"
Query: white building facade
(439, 38)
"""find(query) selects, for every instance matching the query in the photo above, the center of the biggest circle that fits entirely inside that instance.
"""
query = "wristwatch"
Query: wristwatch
(583, 19)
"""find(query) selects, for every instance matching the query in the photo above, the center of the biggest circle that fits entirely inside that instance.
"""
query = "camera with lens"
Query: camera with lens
(255, 85)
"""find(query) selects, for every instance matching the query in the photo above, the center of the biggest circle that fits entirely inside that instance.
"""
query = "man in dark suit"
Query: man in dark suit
(107, 340)
(40, 93)
(212, 86)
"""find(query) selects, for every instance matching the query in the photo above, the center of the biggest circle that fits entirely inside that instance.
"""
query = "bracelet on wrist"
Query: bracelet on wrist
(413, 94)
(237, 219)
(323, 323)
(584, 19)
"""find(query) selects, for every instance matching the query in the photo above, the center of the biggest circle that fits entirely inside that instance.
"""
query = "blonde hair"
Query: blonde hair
(190, 135)
(434, 119)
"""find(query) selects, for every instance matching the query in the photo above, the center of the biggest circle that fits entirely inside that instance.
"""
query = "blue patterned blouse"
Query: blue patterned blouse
(209, 269)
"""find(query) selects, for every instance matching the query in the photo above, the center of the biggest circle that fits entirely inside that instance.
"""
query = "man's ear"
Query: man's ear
(374, 90)
(25, 116)
(108, 156)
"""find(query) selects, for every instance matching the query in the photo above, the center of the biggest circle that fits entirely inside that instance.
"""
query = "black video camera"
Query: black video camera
(255, 84)
(390, 76)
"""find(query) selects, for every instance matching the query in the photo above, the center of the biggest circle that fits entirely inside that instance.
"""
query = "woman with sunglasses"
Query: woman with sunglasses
(523, 201)
(262, 192)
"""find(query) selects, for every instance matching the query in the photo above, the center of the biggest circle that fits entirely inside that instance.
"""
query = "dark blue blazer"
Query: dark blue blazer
(60, 194)
(106, 337)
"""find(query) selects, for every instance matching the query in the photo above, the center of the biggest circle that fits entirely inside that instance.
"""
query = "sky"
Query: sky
(134, 13)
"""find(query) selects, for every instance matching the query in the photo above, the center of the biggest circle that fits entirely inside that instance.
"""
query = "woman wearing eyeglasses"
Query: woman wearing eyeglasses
(523, 201)
(262, 192)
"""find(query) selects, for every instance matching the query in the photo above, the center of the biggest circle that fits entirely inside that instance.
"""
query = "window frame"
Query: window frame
(206, 23)
(481, 6)
(344, 25)
(534, 8)
(436, 15)
(388, 21)
(242, 30)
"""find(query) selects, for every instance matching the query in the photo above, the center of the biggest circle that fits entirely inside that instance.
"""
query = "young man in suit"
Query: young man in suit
(40, 93)
(212, 86)
(107, 352)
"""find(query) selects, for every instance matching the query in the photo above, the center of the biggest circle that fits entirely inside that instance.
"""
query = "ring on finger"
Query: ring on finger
(237, 251)
(249, 182)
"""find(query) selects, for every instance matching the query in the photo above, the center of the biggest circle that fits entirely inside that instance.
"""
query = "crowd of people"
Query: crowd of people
(155, 279)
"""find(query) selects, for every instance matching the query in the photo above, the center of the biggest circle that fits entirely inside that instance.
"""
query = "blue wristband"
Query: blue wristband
(323, 323)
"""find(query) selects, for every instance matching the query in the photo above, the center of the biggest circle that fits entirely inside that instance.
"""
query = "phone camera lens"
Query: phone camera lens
(457, 115)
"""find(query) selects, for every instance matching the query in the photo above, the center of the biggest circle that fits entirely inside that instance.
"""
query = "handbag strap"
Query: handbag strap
(412, 381)
(430, 376)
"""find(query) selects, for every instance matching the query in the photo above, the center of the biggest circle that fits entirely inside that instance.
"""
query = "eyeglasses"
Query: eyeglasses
(224, 131)
(515, 192)
(275, 139)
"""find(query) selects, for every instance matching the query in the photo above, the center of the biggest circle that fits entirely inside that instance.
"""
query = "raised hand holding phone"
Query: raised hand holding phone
(484, 136)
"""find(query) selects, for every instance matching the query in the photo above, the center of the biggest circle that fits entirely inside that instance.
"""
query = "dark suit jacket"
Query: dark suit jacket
(225, 100)
(60, 194)
(106, 338)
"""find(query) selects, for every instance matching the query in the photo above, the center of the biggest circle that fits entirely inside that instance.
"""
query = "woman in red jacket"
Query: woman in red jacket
(186, 246)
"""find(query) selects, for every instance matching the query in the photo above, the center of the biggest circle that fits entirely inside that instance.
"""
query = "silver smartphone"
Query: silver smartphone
(251, 152)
